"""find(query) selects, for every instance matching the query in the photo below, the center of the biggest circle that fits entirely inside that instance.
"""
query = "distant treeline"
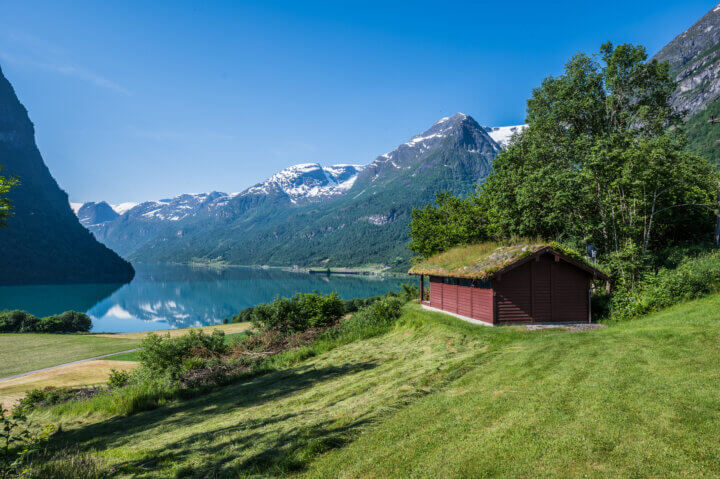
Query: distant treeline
(24, 322)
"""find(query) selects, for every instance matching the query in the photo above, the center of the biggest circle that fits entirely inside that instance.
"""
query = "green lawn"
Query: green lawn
(21, 353)
(441, 398)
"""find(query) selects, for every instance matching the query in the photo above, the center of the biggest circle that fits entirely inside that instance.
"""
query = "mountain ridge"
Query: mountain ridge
(43, 241)
(306, 202)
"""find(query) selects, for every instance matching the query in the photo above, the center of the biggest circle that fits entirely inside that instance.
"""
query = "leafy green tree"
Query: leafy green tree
(6, 185)
(603, 161)
(452, 221)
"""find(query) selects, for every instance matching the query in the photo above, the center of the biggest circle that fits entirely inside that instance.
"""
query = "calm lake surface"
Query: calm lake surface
(175, 296)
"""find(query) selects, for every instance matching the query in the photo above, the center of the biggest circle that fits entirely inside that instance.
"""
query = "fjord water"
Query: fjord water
(177, 296)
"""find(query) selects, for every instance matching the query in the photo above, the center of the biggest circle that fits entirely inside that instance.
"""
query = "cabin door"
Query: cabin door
(541, 278)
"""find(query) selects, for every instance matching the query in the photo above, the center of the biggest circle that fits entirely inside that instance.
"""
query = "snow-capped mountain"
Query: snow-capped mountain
(342, 200)
(93, 214)
(503, 134)
(309, 182)
(301, 183)
(459, 132)
(175, 209)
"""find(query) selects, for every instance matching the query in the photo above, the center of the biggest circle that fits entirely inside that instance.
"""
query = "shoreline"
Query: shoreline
(339, 270)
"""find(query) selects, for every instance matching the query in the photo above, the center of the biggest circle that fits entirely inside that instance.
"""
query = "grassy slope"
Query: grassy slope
(26, 352)
(86, 373)
(440, 398)
(638, 399)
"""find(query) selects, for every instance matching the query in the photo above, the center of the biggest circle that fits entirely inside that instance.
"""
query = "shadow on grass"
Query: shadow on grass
(286, 451)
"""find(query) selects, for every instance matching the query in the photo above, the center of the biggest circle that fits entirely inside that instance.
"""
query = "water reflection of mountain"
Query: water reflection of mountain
(44, 300)
(185, 296)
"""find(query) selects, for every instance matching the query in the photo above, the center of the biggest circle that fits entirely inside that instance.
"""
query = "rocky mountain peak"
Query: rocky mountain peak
(695, 62)
(459, 132)
(92, 213)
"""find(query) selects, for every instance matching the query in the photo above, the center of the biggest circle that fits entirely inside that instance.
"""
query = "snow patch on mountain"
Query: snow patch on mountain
(121, 208)
(309, 181)
(502, 135)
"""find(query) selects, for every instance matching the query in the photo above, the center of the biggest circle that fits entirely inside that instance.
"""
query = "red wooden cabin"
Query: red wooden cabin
(533, 284)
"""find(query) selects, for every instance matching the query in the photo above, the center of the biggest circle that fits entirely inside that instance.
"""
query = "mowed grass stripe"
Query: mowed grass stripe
(437, 397)
(20, 353)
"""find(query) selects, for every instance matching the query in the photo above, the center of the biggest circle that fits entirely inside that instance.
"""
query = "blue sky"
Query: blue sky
(140, 100)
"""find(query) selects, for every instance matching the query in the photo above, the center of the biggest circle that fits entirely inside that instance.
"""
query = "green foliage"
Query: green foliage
(6, 184)
(602, 161)
(66, 464)
(703, 137)
(244, 316)
(118, 378)
(693, 278)
(18, 444)
(24, 322)
(373, 319)
(452, 221)
(597, 163)
(164, 355)
(298, 313)
(44, 397)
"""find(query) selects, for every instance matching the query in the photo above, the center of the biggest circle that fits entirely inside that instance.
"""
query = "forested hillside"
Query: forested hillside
(43, 241)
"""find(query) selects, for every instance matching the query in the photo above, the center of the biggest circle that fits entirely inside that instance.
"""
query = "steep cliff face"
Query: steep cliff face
(694, 58)
(43, 242)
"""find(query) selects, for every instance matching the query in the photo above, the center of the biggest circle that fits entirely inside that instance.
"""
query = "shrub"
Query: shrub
(298, 313)
(50, 396)
(319, 310)
(244, 316)
(18, 443)
(355, 304)
(165, 355)
(693, 278)
(24, 322)
(374, 318)
(17, 321)
(118, 379)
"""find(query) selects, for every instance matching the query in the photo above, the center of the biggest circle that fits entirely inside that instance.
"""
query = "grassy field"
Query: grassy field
(437, 397)
(20, 353)
(231, 328)
(87, 373)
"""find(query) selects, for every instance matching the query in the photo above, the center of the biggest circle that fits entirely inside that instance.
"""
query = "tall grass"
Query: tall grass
(693, 278)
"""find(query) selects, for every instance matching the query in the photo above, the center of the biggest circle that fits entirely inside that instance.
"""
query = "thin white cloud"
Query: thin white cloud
(28, 51)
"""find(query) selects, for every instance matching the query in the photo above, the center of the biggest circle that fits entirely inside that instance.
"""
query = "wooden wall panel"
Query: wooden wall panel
(482, 303)
(513, 295)
(570, 293)
(542, 289)
(450, 298)
(436, 295)
(465, 306)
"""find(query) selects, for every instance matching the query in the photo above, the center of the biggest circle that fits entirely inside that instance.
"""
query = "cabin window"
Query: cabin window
(436, 279)
(476, 283)
(465, 282)
(450, 281)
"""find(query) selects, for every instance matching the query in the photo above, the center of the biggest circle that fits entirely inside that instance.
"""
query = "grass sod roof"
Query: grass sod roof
(485, 260)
